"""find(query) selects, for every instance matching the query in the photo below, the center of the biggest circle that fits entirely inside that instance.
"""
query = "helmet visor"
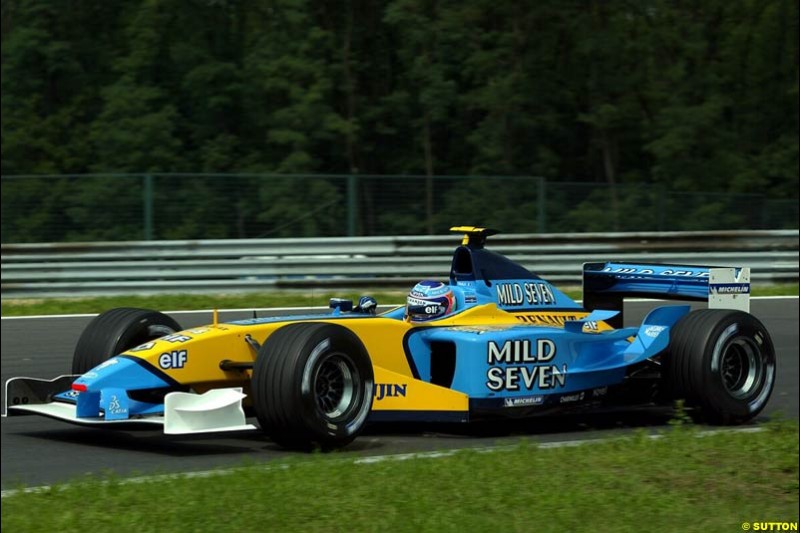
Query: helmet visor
(428, 307)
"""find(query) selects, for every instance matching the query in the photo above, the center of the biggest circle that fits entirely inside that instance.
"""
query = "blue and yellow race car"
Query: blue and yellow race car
(495, 340)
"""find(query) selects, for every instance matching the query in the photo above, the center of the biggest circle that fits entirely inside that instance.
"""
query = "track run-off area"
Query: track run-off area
(39, 451)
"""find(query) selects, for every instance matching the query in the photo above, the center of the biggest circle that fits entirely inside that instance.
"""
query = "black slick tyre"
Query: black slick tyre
(722, 363)
(116, 330)
(312, 386)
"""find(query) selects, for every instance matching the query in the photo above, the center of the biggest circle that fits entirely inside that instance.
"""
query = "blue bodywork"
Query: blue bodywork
(106, 388)
(498, 366)
(529, 364)
(526, 365)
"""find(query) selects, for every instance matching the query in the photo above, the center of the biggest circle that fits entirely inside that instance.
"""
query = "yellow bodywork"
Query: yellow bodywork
(206, 347)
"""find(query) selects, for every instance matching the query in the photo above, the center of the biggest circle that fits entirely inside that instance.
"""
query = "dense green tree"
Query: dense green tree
(635, 102)
(136, 129)
(51, 79)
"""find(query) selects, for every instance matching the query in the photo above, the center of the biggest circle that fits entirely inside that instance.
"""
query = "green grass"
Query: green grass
(175, 302)
(776, 290)
(681, 482)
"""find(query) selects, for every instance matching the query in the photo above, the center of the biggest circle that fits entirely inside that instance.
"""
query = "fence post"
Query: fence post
(147, 201)
(352, 205)
(541, 215)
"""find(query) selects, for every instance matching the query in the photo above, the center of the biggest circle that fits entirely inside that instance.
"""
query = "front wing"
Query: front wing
(184, 413)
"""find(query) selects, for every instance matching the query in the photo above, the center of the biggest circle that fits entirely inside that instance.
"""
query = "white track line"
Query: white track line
(370, 460)
(320, 308)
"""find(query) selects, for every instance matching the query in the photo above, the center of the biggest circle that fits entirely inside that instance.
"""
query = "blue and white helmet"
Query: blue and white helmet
(430, 299)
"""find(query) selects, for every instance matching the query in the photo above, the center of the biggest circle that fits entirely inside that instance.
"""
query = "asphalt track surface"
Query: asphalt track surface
(40, 451)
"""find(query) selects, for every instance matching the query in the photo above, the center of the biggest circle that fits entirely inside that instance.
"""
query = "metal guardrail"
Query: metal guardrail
(75, 269)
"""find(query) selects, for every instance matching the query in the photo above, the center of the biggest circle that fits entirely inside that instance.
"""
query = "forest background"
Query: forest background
(653, 114)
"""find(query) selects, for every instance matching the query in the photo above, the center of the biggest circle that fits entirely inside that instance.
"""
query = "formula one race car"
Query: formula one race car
(495, 341)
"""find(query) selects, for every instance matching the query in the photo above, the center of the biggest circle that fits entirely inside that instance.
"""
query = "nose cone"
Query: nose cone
(122, 372)
(103, 391)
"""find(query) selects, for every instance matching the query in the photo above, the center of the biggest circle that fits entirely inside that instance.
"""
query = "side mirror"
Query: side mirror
(366, 305)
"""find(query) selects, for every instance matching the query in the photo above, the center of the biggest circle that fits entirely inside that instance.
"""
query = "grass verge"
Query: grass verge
(175, 302)
(681, 482)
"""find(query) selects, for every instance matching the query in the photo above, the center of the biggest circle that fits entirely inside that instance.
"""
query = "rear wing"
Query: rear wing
(606, 285)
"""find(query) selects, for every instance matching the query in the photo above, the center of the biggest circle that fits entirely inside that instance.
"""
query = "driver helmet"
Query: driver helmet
(430, 299)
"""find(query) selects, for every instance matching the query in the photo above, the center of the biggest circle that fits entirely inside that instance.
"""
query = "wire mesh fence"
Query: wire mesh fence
(116, 207)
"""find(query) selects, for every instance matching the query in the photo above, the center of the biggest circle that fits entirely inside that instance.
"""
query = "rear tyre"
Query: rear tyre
(117, 330)
(722, 363)
(312, 386)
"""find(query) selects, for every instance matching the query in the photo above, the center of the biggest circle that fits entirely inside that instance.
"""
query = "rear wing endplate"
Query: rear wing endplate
(606, 285)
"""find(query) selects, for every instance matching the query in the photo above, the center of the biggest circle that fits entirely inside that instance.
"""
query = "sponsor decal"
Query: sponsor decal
(108, 363)
(517, 372)
(114, 407)
(590, 326)
(548, 319)
(143, 347)
(532, 293)
(653, 331)
(729, 288)
(199, 331)
(470, 298)
(598, 393)
(569, 398)
(176, 337)
(173, 359)
(428, 307)
(524, 401)
(390, 390)
(650, 272)
(519, 351)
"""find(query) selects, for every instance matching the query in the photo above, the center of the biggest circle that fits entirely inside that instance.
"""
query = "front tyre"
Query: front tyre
(312, 386)
(721, 362)
(116, 330)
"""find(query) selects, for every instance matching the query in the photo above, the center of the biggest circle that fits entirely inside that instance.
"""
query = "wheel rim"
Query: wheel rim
(335, 386)
(741, 368)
